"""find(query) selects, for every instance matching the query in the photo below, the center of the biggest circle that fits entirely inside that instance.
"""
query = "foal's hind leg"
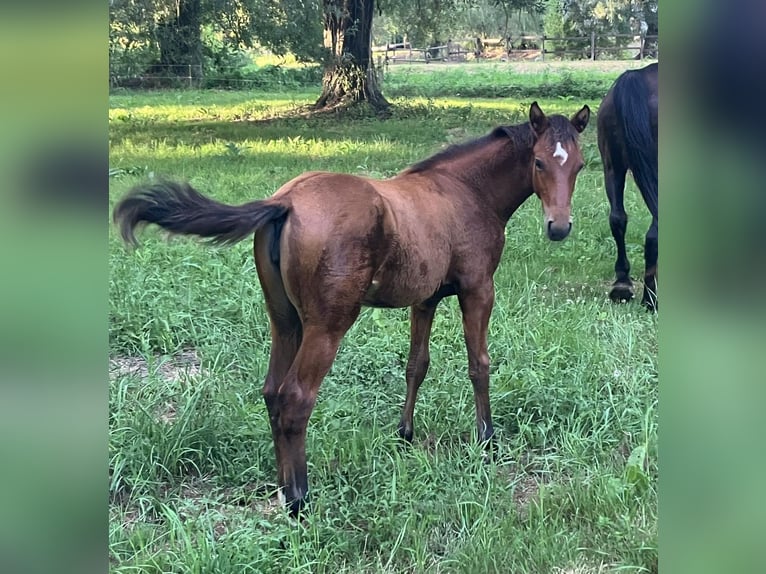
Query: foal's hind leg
(421, 319)
(286, 328)
(650, 276)
(614, 180)
(296, 398)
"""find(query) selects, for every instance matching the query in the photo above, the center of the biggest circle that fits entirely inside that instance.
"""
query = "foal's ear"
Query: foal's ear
(537, 119)
(580, 119)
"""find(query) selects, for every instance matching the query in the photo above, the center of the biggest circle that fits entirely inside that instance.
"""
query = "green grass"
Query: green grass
(500, 80)
(573, 383)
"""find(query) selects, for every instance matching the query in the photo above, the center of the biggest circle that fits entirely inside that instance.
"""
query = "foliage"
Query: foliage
(152, 36)
(140, 30)
(432, 22)
(290, 26)
(573, 485)
(569, 18)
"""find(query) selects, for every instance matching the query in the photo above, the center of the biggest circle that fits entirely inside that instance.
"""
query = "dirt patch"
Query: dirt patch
(167, 413)
(536, 66)
(227, 507)
(583, 569)
(525, 490)
(528, 65)
(250, 496)
(527, 478)
(187, 362)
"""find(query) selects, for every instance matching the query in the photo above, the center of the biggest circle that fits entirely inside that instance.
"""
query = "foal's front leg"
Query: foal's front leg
(476, 305)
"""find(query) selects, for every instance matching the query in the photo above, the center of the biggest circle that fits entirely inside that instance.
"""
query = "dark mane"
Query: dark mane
(456, 150)
(561, 129)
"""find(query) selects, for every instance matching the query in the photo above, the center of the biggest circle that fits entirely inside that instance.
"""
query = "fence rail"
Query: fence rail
(592, 47)
(159, 75)
(451, 51)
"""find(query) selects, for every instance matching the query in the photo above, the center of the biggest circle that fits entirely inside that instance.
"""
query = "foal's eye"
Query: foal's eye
(538, 164)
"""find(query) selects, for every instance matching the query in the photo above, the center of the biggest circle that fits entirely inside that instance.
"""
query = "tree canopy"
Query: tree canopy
(190, 36)
(212, 32)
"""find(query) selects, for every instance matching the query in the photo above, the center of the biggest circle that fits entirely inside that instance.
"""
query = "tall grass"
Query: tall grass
(496, 80)
(573, 383)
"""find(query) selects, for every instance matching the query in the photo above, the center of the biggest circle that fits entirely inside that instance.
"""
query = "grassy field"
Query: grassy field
(573, 377)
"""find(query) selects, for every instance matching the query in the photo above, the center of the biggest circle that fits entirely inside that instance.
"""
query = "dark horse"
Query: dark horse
(326, 244)
(627, 140)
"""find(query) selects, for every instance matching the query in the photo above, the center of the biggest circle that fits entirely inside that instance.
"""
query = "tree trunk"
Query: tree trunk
(180, 41)
(350, 77)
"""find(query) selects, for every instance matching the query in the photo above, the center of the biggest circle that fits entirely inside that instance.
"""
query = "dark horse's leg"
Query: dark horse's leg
(476, 305)
(421, 319)
(614, 180)
(650, 276)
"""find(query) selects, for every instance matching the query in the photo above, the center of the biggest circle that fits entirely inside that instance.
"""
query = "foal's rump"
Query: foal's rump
(329, 244)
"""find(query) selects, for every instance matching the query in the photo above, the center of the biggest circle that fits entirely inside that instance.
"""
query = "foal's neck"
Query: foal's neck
(502, 177)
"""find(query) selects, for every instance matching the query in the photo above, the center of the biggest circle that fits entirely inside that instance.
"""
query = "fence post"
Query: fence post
(593, 46)
(641, 46)
(190, 76)
(542, 48)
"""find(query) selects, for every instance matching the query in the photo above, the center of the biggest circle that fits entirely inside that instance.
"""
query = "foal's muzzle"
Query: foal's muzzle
(557, 231)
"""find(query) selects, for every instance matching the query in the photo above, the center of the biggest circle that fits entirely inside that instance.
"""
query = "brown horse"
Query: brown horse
(326, 244)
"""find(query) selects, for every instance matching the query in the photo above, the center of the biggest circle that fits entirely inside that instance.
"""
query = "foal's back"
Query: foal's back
(390, 241)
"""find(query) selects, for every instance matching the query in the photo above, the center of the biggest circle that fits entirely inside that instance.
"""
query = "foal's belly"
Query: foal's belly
(403, 285)
(403, 297)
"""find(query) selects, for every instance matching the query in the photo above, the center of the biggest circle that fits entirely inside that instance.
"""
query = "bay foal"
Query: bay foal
(326, 244)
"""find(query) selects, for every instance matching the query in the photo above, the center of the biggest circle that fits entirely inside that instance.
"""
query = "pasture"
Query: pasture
(573, 385)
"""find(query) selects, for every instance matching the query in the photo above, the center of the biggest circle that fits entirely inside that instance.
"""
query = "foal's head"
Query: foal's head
(557, 161)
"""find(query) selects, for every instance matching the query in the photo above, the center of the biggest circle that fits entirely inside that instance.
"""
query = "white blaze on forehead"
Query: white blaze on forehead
(561, 152)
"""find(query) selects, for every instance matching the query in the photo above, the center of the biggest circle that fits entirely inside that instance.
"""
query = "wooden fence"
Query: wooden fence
(451, 51)
(556, 46)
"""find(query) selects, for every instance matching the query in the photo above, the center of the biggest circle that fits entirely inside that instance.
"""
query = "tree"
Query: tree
(171, 34)
(179, 36)
(582, 17)
(349, 72)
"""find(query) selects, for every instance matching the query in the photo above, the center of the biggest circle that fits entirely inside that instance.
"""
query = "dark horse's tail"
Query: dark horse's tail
(180, 208)
(631, 101)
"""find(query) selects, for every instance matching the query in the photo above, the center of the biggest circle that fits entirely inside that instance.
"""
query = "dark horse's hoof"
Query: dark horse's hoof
(295, 507)
(621, 292)
(649, 301)
(490, 452)
(405, 435)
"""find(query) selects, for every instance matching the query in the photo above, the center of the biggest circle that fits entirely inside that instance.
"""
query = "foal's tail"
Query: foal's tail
(180, 208)
(631, 100)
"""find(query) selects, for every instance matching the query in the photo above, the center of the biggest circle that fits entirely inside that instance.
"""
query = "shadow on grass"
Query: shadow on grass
(415, 120)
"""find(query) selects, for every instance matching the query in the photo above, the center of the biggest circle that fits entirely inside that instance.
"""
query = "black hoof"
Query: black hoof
(649, 301)
(490, 452)
(298, 506)
(404, 434)
(621, 293)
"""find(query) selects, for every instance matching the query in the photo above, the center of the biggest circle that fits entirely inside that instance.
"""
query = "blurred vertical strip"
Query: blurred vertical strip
(53, 325)
(713, 255)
